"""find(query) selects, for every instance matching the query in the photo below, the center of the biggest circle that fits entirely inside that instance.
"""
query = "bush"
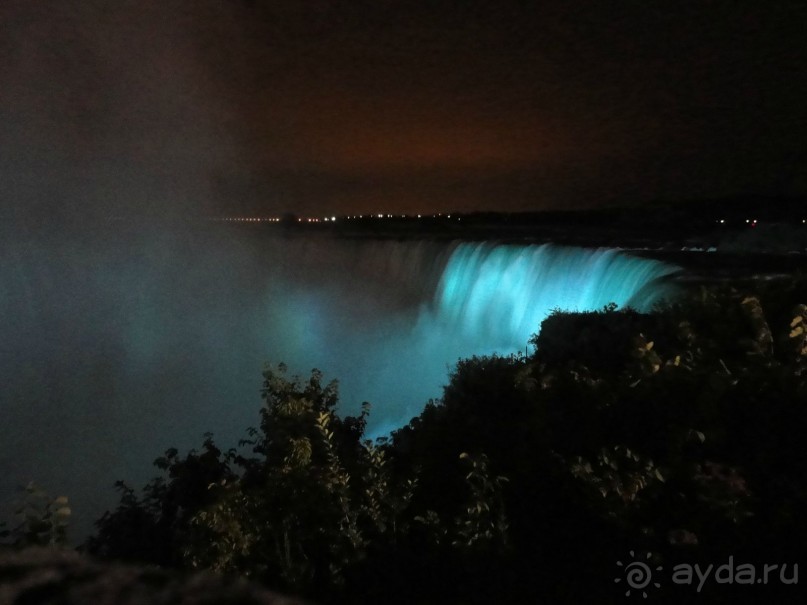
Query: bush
(678, 433)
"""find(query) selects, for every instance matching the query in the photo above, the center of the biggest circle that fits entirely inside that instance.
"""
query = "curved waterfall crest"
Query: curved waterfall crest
(501, 293)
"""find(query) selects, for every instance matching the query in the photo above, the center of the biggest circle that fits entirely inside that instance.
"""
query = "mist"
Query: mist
(132, 340)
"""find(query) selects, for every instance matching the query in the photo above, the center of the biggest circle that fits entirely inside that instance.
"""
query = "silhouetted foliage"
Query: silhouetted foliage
(308, 508)
(40, 520)
(679, 432)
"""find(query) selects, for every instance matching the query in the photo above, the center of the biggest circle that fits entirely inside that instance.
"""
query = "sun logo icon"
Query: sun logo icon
(637, 575)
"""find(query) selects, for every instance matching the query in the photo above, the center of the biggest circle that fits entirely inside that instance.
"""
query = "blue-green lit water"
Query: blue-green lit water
(115, 348)
(498, 295)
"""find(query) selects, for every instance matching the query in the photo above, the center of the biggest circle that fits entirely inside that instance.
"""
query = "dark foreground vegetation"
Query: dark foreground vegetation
(680, 434)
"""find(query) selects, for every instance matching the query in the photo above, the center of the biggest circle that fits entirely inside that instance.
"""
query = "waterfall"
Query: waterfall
(114, 348)
(499, 294)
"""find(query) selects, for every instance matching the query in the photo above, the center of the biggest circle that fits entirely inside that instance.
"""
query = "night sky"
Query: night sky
(236, 107)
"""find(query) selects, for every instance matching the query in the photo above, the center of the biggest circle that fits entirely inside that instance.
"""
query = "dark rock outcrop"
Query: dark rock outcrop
(64, 577)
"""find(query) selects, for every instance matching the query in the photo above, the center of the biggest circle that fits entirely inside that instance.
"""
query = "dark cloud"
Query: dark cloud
(207, 106)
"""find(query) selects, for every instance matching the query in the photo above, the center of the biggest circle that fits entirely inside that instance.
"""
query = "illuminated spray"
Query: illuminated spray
(109, 353)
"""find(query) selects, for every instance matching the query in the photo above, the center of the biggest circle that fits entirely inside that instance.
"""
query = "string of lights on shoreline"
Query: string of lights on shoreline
(751, 222)
(333, 219)
(326, 219)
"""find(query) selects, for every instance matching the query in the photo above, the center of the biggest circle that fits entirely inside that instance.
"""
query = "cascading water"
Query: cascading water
(113, 349)
(498, 295)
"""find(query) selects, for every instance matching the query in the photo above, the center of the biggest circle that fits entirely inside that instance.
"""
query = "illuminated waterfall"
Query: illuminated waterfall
(499, 294)
(490, 298)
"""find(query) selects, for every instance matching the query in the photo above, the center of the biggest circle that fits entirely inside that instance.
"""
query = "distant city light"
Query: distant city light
(246, 219)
